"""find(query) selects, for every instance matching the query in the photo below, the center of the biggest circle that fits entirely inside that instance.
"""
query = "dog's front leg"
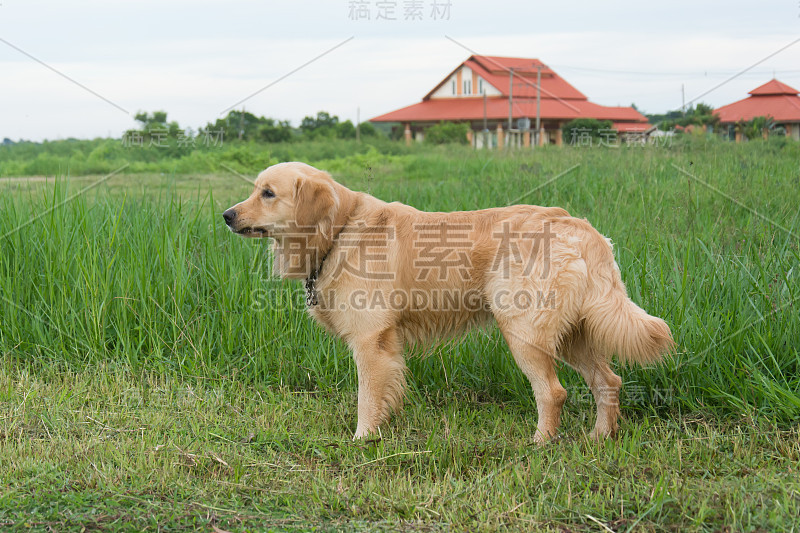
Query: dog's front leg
(381, 378)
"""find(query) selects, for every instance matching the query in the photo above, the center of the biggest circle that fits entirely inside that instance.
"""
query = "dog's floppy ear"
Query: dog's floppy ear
(314, 202)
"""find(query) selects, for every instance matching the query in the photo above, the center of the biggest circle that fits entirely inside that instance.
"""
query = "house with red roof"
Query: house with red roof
(484, 91)
(774, 99)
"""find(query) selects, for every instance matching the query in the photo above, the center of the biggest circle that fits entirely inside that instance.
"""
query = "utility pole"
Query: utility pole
(358, 124)
(510, 96)
(683, 100)
(538, 102)
(241, 124)
(485, 126)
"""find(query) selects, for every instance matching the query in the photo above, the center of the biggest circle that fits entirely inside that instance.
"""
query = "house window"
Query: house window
(480, 86)
(467, 86)
(454, 87)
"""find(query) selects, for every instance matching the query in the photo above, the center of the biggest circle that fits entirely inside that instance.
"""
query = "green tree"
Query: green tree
(323, 125)
(699, 115)
(703, 114)
(156, 119)
(702, 109)
(346, 130)
(237, 125)
(367, 129)
(274, 131)
(155, 130)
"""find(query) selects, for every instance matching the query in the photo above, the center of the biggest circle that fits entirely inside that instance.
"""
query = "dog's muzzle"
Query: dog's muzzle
(230, 217)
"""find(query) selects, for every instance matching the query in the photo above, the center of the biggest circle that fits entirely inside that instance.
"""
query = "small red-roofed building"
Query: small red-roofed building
(774, 99)
(478, 92)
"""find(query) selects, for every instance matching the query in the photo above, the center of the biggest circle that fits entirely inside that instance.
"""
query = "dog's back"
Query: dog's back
(442, 273)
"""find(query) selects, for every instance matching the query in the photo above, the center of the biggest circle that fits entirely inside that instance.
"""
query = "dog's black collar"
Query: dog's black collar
(311, 282)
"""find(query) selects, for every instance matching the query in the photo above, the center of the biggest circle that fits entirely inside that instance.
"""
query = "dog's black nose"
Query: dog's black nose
(229, 215)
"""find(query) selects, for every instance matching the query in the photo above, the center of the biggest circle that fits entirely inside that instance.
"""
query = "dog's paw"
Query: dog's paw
(363, 432)
(544, 438)
(600, 435)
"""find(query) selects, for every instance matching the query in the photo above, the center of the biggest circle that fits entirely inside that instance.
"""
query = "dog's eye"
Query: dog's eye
(267, 193)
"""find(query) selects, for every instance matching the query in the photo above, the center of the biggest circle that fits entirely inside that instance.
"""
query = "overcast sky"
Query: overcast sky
(195, 59)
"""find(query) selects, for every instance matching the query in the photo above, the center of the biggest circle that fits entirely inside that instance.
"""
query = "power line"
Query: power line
(698, 73)
(776, 52)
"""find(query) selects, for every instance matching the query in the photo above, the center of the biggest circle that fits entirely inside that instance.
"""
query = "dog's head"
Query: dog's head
(288, 198)
(293, 203)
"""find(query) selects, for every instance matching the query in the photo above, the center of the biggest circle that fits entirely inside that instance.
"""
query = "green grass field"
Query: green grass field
(154, 374)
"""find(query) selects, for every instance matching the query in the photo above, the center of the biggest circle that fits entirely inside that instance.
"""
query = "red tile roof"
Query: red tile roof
(497, 108)
(774, 87)
(773, 99)
(559, 99)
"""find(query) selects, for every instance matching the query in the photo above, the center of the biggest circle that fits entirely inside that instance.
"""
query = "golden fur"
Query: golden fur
(390, 275)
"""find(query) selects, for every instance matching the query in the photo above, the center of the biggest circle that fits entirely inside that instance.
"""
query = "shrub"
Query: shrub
(447, 132)
(367, 129)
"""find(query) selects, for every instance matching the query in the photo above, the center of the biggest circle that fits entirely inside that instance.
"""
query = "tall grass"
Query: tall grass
(101, 156)
(153, 282)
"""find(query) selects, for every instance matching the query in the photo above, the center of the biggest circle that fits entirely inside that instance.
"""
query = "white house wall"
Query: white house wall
(446, 90)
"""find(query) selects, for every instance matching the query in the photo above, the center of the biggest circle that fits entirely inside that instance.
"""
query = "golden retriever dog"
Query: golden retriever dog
(382, 275)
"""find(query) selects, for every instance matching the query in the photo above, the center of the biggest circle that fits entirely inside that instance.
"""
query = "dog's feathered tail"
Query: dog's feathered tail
(614, 323)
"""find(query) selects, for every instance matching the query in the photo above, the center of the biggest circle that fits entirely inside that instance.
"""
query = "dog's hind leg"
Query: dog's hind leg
(381, 378)
(534, 355)
(604, 383)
